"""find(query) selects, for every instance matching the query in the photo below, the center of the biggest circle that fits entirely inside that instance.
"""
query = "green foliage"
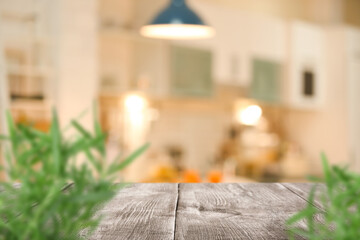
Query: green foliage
(338, 217)
(57, 196)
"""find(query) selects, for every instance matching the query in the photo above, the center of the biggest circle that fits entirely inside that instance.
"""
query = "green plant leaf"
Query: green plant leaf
(340, 205)
(12, 132)
(58, 195)
(327, 172)
(56, 142)
(81, 129)
(304, 214)
(98, 130)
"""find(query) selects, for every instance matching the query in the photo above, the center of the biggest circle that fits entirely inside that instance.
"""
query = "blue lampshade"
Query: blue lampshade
(177, 21)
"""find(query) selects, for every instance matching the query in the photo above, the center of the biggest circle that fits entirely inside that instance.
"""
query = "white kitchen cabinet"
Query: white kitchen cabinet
(130, 62)
(240, 38)
(306, 72)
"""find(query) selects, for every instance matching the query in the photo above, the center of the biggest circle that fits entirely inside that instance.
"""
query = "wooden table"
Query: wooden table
(202, 211)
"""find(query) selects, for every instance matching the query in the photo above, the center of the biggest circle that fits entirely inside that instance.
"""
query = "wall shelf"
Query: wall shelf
(26, 46)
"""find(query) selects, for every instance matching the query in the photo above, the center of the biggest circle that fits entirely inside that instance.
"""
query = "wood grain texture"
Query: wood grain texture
(202, 211)
(140, 211)
(235, 211)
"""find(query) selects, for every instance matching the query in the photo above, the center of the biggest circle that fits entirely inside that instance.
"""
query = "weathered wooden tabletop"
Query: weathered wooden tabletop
(202, 211)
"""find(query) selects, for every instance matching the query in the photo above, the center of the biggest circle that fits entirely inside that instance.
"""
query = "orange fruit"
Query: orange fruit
(215, 176)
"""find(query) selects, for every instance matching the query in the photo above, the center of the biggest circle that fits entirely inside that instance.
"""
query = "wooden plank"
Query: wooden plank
(140, 211)
(235, 211)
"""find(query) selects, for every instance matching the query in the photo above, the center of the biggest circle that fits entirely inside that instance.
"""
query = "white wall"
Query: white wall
(353, 75)
(327, 128)
(76, 58)
(307, 50)
(4, 93)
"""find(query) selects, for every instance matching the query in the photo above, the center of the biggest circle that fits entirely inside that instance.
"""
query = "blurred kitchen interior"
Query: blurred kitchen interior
(278, 83)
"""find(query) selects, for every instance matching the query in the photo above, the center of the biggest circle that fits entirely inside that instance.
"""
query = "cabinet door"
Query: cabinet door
(266, 82)
(190, 72)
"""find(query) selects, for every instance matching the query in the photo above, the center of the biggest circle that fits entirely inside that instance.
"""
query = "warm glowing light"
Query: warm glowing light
(177, 31)
(135, 103)
(135, 128)
(135, 106)
(250, 115)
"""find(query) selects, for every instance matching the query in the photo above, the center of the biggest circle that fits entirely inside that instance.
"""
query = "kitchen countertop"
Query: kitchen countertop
(202, 211)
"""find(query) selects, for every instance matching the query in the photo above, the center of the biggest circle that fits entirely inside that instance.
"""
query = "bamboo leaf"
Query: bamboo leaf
(304, 214)
(98, 131)
(13, 132)
(327, 172)
(56, 143)
(80, 129)
(94, 162)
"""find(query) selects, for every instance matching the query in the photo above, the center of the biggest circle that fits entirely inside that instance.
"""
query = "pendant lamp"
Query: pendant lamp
(177, 21)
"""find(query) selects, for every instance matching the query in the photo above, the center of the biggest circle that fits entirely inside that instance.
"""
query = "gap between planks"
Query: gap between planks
(176, 207)
(319, 207)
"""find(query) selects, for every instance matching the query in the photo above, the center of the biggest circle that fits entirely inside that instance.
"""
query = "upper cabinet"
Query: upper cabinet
(128, 59)
(294, 53)
(190, 72)
(306, 76)
(266, 81)
(240, 38)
